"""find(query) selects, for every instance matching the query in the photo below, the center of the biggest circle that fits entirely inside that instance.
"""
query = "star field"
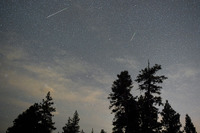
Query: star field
(76, 54)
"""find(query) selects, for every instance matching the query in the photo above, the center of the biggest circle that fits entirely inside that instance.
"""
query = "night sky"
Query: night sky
(75, 49)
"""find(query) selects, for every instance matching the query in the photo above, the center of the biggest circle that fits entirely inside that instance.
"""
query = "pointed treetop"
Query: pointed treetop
(189, 126)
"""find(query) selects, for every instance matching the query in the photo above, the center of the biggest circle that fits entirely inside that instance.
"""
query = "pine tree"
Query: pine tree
(72, 126)
(82, 131)
(132, 116)
(148, 81)
(75, 122)
(46, 111)
(189, 126)
(102, 131)
(68, 128)
(27, 122)
(123, 104)
(170, 120)
(36, 119)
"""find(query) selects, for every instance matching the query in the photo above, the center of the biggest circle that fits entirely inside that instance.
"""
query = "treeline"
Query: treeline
(140, 114)
(132, 114)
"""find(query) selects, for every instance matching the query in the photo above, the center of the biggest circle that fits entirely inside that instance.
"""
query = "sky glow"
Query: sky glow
(75, 49)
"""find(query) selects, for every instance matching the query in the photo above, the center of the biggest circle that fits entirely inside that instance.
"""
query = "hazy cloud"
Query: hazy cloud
(130, 63)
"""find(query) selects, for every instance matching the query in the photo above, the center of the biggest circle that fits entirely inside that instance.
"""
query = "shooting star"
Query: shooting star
(132, 36)
(57, 12)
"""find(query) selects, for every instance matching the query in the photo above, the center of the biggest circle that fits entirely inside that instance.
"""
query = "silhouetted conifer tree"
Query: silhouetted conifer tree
(123, 105)
(27, 122)
(46, 111)
(102, 131)
(189, 126)
(148, 81)
(170, 120)
(36, 119)
(68, 128)
(75, 122)
(132, 116)
(72, 126)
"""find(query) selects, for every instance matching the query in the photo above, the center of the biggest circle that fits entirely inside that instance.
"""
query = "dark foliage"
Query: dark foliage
(102, 131)
(36, 119)
(123, 105)
(46, 111)
(131, 114)
(148, 83)
(72, 126)
(170, 120)
(27, 122)
(189, 126)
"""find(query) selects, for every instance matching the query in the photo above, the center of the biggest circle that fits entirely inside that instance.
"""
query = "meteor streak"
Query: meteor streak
(57, 12)
(132, 36)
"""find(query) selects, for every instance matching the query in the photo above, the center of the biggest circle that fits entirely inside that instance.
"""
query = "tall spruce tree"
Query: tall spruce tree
(170, 120)
(148, 83)
(123, 105)
(75, 122)
(72, 126)
(47, 114)
(189, 126)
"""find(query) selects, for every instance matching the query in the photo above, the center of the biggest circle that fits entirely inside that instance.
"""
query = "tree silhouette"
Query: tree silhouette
(189, 126)
(36, 119)
(72, 126)
(123, 104)
(27, 122)
(46, 111)
(148, 81)
(170, 120)
(102, 131)
(132, 116)
(68, 126)
(75, 122)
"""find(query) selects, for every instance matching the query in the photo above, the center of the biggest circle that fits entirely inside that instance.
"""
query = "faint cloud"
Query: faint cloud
(180, 72)
(85, 94)
(70, 65)
(10, 48)
(182, 83)
(130, 63)
(65, 77)
(91, 95)
(47, 88)
(15, 102)
(103, 78)
(12, 53)
(25, 83)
